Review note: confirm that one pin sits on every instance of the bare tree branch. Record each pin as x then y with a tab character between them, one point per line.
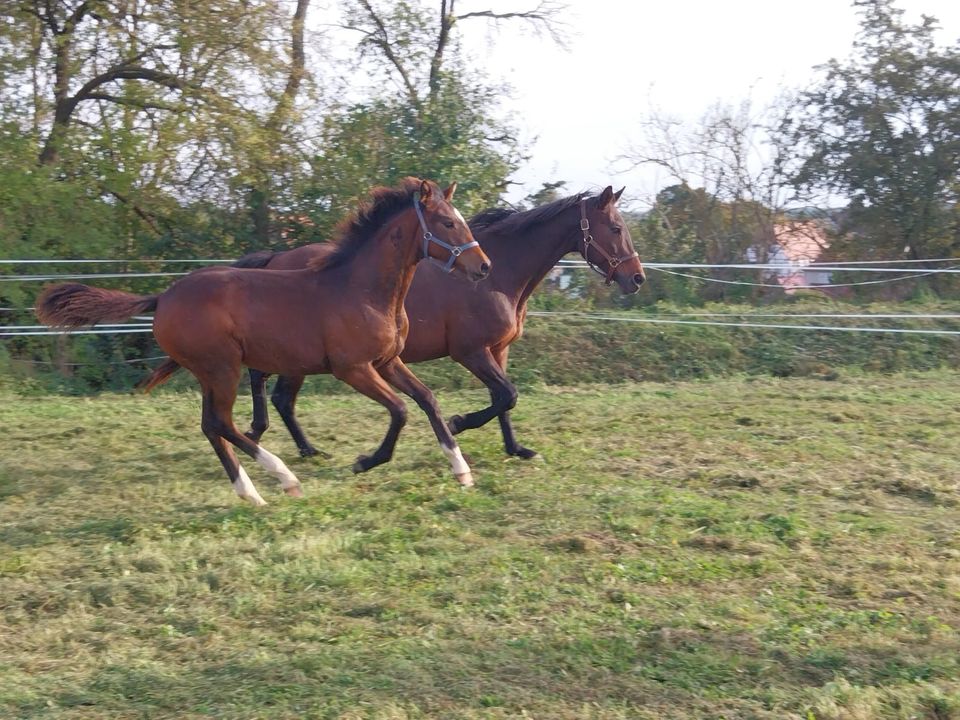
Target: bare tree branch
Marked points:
133	102
543	18
382	40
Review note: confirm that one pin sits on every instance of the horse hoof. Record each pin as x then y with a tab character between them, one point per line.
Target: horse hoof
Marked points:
294	491
255	436
525	453
311	451
362	464
465	479
455	424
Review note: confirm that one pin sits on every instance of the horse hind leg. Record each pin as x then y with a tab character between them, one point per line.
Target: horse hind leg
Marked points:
284	398
503	398
218	421
242	484
266	459
258	397
510	443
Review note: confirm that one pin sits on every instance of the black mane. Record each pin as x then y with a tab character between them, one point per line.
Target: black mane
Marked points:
517	221
354	232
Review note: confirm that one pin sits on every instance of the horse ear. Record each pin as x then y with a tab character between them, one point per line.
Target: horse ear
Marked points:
605	197
618	193
425	191
448	193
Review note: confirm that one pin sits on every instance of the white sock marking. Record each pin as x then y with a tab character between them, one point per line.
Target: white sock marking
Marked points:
460	468
276	467
455	457
244	487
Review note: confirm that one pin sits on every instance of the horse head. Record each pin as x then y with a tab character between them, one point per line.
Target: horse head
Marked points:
447	240
606	244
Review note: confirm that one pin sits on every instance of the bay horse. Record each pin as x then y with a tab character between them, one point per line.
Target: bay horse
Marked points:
475	326
341	314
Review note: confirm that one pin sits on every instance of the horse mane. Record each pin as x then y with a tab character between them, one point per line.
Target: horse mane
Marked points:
517	221
353	232
258	259
491	216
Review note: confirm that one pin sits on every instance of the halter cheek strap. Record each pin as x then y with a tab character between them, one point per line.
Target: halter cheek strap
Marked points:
612	262
428	237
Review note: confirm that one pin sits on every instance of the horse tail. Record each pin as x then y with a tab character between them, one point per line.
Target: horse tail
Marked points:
259	259
159	376
74	305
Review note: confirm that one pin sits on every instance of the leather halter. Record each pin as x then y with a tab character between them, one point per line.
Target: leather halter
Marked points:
588	242
428	237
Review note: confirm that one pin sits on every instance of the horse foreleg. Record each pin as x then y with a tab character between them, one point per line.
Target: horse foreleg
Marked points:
365	380
284	399
400	376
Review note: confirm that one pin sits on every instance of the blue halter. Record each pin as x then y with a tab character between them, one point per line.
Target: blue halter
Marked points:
428	237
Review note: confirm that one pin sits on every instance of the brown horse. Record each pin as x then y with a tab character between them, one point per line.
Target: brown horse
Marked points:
476	326
342	315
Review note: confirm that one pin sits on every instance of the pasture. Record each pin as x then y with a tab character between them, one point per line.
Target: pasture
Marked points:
738	548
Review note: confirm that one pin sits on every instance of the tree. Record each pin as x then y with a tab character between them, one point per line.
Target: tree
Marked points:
429	113
412	47
148	104
729	187
882	129
383	140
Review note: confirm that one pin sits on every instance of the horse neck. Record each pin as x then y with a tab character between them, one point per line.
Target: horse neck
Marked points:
384	266
522	260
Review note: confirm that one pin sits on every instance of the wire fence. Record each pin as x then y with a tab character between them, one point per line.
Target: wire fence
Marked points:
667	268
904	268
739	320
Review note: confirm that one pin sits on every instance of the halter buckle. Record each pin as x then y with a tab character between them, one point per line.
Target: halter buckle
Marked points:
584	224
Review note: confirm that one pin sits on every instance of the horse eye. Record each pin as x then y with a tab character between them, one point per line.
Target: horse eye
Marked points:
448	223
617	229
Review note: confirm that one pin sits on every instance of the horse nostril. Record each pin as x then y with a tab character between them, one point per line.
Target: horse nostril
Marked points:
639	279
484	269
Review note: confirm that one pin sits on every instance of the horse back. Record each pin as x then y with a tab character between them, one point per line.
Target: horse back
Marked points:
300	257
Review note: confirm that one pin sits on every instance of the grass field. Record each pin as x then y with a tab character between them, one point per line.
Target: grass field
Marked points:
728	549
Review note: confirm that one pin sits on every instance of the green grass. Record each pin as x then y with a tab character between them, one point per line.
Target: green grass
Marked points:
764	548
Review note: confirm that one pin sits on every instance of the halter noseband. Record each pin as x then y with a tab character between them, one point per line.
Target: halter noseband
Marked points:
428	237
612	262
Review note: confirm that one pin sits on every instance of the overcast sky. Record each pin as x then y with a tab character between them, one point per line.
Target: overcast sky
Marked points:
580	108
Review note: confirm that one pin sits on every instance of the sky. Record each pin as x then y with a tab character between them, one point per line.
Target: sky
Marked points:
580	108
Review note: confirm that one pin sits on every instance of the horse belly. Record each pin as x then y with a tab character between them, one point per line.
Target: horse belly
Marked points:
424	342
287	354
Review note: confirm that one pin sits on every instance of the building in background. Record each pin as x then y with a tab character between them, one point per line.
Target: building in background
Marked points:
794	246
